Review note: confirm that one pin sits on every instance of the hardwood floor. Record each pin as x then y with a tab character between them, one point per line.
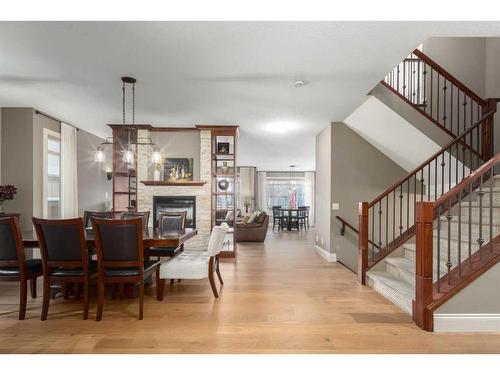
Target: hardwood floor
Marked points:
278	297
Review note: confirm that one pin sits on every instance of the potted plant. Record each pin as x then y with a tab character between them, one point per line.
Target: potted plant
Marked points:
7	192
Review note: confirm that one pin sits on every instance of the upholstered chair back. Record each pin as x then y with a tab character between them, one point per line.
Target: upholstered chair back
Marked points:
118	240
88	215
217	239
170	221
8	245
60	240
144	215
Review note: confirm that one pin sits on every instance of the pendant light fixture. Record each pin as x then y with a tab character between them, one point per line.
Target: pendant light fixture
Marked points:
129	152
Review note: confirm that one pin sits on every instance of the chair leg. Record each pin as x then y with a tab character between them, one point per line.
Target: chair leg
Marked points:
100	299
217	269
160	285
141	300
46	297
86	299
33	287
22	298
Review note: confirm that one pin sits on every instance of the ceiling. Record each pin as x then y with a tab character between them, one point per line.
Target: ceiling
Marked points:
211	73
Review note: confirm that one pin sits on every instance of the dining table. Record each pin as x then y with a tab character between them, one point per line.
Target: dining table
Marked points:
150	238
289	212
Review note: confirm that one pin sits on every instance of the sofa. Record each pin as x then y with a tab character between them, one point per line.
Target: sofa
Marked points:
253	232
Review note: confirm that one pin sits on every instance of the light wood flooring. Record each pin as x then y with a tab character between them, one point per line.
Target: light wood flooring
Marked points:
278	297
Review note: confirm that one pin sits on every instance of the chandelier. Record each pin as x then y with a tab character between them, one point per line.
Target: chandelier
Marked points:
128	154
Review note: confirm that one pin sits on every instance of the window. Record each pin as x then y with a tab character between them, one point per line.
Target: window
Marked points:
51	174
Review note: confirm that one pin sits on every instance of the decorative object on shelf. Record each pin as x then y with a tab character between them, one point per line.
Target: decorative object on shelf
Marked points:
223	148
224	168
7	193
178	169
223	184
129	152
109	176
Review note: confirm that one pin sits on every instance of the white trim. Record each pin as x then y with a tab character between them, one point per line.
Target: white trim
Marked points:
329	257
466	322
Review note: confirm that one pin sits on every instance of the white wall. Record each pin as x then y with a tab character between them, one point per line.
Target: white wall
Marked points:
323	188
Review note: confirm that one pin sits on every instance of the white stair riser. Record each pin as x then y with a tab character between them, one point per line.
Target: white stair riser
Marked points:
392	295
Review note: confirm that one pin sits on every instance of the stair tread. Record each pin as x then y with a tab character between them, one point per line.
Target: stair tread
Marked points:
403	263
402	287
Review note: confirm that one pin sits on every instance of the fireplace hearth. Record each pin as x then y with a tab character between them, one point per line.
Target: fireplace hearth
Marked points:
175	203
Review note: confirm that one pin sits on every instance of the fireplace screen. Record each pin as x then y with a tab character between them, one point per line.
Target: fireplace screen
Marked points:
175	203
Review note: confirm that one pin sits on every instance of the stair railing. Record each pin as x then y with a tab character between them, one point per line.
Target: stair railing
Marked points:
436	94
389	220
465	262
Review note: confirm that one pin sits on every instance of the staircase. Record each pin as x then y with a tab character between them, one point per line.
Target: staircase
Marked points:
394	276
434	230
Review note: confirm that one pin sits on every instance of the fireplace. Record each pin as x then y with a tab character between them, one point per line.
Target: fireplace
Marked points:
175	203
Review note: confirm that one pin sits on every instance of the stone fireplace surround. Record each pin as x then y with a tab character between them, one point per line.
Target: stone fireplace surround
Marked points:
202	193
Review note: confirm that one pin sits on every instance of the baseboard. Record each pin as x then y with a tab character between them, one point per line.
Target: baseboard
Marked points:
467	323
329	257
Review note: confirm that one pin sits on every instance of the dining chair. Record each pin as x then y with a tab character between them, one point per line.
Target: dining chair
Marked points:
88	215
306	219
144	215
278	217
168	221
120	257
197	265
65	257
13	263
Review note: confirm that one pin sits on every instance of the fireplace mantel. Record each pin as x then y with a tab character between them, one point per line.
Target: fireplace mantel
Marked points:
170	183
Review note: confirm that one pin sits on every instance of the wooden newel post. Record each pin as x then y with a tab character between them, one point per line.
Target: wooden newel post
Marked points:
487	130
363	242
424	216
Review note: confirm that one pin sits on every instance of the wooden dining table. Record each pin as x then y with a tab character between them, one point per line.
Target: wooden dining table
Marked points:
150	238
288	213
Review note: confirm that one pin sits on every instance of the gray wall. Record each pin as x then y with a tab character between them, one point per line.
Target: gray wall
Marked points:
323	188
94	189
464	58
17	160
480	297
180	145
360	172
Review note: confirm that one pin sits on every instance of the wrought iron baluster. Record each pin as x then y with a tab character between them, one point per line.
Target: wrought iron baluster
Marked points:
491	208
380	224
444	102
386	220
438	94
424	86
480	240
407	204
460	234
394	214
443	164
438	258
448	259
373	231
400	209
470	227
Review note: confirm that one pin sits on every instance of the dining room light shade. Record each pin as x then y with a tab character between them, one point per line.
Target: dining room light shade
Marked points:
128	156
99	155
156	156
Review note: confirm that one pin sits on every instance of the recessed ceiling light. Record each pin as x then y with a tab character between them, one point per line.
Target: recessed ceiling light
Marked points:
300	83
280	127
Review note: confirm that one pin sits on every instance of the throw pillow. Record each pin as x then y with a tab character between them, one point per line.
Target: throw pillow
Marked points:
246	218
252	217
260	218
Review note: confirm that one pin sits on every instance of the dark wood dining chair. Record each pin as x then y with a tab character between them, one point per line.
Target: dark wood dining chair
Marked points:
168	221
65	257
278	217
306	218
13	263
144	215
120	257
88	215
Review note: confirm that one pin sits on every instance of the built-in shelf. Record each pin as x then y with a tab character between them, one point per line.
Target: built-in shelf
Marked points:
170	183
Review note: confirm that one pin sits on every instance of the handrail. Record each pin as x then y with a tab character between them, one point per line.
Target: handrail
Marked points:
422	56
430	159
473	177
346	224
